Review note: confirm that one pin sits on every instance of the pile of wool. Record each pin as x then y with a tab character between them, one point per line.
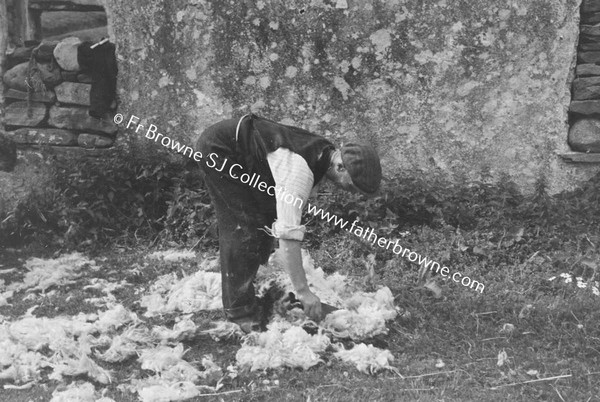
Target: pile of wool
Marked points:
172	255
200	291
282	345
61	271
363	317
185	328
331	289
366	358
223	330
172	374
80	392
127	344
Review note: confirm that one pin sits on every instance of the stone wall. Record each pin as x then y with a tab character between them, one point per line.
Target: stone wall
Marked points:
468	89
584	134
55	111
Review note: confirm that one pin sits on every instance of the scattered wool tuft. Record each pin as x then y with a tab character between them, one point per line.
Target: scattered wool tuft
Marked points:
82	366
282	345
364	317
179	391
173	255
79	392
5	296
185	328
161	358
200	291
82	392
331	289
53	272
127	344
114	318
366	358
223	330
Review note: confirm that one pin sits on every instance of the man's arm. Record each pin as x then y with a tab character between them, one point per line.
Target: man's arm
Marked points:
291	172
292	262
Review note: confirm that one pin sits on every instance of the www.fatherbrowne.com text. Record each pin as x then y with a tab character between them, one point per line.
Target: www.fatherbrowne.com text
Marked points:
236	172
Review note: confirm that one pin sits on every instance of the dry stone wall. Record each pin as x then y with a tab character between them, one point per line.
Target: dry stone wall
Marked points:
47	100
584	134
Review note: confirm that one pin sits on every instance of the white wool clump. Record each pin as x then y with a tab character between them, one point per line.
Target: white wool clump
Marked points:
173	255
364	317
175	377
282	345
5	296
127	344
53	272
179	391
223	330
366	358
80	392
56	333
201	291
83	392
181	329
114	318
161	358
82	366
331	289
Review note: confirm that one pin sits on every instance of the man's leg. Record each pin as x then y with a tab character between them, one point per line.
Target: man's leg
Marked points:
243	246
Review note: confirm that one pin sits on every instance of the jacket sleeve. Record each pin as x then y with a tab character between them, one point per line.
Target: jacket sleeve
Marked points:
293	182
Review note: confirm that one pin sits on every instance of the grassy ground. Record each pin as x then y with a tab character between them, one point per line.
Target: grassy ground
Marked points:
446	348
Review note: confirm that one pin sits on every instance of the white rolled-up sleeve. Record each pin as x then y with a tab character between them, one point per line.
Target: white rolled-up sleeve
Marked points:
293	181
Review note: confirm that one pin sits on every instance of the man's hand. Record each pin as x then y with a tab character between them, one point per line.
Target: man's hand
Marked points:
311	303
290	257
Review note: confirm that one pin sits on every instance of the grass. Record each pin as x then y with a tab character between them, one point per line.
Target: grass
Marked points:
446	348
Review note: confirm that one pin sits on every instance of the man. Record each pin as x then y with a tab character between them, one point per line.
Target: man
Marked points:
259	175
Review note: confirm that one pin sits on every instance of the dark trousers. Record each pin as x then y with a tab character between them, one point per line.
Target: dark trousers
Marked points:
242	211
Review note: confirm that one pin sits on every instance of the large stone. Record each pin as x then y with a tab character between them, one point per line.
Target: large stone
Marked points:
585	46
74	118
583	70
73	93
65	53
19	55
584	135
45	51
589	57
590	6
47	96
590	30
586	107
590	18
94	141
586	88
16	77
19	114
8	154
50	74
49	136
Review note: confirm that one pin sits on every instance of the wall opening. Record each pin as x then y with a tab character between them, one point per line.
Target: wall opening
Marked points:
59	76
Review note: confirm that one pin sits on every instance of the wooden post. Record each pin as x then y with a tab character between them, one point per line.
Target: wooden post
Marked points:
3	46
28	24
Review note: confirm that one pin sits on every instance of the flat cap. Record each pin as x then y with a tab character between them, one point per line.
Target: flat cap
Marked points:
362	162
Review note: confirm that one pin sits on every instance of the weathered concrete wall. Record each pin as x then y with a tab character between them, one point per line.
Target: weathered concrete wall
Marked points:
455	86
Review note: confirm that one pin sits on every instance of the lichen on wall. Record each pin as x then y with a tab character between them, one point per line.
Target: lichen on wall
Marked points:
439	86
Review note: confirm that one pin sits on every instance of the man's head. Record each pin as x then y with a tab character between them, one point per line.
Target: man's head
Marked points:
355	167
